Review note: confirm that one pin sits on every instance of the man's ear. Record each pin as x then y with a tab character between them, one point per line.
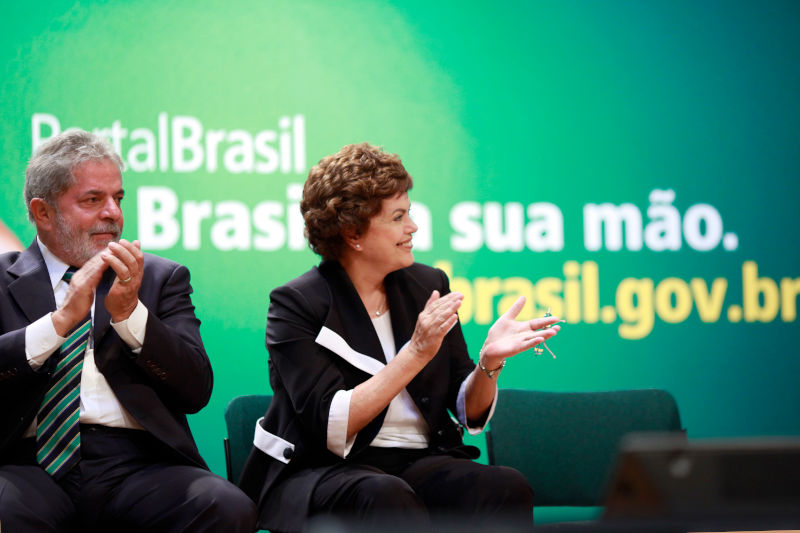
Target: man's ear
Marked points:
44	215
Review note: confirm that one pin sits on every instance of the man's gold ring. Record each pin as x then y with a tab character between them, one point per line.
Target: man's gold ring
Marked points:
127	280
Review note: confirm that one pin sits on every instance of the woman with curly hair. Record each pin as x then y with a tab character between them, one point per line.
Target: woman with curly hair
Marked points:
367	361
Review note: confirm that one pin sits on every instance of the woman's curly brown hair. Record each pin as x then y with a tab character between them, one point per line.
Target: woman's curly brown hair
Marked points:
345	190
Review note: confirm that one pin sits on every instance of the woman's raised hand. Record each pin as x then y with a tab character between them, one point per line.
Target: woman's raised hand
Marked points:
508	337
434	322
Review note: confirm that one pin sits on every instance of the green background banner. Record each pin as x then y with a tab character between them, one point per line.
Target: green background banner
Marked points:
631	165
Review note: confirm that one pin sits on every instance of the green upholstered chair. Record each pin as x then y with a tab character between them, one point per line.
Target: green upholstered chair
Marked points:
566	443
240	419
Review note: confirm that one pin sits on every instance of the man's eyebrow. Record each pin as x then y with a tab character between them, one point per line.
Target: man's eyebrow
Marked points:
94	192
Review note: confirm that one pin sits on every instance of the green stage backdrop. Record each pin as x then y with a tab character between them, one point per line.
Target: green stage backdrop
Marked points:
632	166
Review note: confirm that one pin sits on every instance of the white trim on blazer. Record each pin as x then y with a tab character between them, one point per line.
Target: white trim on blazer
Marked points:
335	343
272	445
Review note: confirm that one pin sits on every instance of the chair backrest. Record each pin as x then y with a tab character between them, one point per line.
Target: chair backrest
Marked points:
240	419
566	443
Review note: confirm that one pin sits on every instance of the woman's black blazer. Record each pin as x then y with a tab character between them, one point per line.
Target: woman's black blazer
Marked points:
321	340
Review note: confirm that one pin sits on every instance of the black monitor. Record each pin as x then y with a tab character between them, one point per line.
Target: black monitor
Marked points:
747	481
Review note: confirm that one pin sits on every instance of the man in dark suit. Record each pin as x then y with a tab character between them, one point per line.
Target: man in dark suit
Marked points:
100	361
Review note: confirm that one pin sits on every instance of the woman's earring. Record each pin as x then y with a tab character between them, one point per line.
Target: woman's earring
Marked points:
358	246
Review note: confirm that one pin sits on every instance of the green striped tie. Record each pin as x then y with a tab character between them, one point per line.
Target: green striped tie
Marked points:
58	433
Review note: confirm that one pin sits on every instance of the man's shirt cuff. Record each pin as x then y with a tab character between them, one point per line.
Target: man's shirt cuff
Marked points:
41	340
132	329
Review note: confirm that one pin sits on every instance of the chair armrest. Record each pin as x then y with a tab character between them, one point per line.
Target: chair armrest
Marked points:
228	468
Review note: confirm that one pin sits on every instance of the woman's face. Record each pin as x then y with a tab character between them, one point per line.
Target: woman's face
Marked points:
387	242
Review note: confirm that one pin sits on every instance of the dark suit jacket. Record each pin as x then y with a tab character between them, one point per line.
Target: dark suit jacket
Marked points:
168	379
321	340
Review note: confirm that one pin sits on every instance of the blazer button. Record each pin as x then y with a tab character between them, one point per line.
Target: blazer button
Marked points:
425	403
440	433
287	453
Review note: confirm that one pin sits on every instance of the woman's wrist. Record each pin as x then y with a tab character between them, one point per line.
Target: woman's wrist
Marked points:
487	366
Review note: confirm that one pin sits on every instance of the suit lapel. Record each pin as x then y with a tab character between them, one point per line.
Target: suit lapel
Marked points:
407	299
404	305
348	330
32	290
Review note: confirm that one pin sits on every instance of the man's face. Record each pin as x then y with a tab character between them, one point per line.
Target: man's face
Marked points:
88	214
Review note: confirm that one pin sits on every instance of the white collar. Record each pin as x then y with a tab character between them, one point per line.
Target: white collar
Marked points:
55	266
